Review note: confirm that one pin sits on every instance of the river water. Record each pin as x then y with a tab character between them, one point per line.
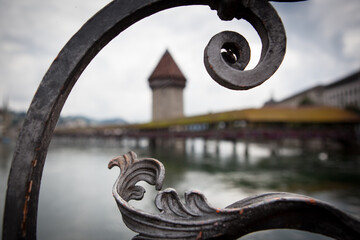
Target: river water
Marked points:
76	200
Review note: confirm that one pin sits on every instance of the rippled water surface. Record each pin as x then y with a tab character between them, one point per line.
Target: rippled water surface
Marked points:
76	200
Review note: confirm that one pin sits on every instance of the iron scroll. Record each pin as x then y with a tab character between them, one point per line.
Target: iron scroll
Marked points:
228	53
20	215
196	219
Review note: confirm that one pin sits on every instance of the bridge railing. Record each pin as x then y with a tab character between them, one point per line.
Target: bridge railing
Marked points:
225	57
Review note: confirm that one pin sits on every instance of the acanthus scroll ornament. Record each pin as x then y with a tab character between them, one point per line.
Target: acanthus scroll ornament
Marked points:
196	219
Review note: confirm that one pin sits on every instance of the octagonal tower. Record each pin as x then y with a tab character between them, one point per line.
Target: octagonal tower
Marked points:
167	83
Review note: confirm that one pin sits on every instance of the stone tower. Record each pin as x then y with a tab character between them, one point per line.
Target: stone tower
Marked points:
167	84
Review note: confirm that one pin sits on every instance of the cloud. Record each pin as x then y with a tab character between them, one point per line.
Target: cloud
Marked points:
351	43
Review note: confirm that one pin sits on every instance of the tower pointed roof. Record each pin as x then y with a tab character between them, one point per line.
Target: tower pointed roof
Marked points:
167	73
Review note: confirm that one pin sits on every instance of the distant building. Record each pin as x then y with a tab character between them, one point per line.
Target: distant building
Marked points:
5	120
344	93
167	83
2	122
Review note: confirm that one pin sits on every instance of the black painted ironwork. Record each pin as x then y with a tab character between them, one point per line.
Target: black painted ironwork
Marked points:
228	51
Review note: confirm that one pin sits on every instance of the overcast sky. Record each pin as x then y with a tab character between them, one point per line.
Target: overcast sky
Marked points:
323	46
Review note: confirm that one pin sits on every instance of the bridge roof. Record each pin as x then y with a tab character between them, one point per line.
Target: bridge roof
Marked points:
265	115
302	115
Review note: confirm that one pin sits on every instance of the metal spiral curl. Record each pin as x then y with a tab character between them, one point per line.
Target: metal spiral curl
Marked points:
228	53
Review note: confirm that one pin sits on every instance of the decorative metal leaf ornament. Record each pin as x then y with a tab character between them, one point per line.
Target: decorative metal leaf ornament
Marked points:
196	219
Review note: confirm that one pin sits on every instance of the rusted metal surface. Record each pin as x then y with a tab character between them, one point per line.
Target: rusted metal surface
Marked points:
196	219
20	215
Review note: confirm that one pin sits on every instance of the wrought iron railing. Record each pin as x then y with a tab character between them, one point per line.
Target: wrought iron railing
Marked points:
225	57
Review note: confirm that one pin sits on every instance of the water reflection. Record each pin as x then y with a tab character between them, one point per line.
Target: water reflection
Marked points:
76	201
5	161
6	151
